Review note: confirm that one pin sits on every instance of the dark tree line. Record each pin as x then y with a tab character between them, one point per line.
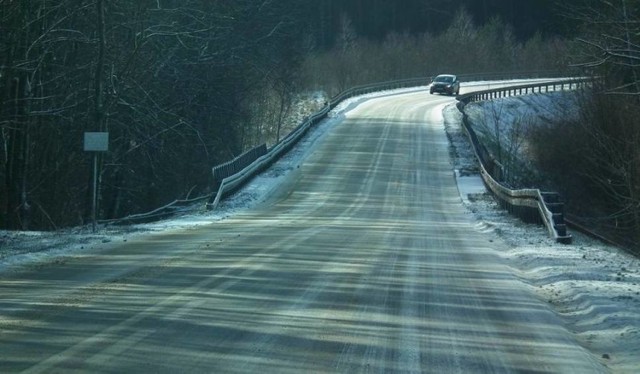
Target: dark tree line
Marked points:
464	46
375	19
595	158
167	79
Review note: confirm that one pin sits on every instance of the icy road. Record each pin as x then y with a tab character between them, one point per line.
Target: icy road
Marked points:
364	260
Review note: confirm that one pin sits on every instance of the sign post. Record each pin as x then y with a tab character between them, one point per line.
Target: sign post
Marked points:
95	142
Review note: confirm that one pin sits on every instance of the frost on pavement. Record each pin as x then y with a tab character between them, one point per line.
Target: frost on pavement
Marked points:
594	288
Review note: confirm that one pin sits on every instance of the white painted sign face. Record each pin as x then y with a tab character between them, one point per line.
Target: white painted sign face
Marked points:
96	141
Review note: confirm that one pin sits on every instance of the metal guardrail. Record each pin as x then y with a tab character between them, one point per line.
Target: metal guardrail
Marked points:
528	204
233	167
237	164
531	205
426	80
525	89
176	206
235	181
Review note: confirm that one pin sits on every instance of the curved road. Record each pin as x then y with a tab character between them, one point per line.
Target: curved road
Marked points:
364	260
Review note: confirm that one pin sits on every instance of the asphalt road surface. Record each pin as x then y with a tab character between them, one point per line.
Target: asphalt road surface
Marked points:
364	261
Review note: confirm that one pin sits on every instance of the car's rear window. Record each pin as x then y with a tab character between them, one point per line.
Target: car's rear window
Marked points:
444	79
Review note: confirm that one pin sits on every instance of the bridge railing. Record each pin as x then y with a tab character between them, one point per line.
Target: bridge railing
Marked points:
528	204
525	89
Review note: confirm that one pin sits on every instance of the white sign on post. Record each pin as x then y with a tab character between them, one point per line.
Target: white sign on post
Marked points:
96	141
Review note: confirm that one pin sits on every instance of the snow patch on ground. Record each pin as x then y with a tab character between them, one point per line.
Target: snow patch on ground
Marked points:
593	287
504	125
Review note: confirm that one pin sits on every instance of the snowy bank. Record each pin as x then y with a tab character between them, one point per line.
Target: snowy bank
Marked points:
593	287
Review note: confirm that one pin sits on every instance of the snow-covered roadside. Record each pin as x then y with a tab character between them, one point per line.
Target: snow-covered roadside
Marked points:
593	287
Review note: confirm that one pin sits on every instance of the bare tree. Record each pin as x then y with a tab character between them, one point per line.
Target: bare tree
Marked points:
168	79
611	49
505	137
345	63
613	156
610	45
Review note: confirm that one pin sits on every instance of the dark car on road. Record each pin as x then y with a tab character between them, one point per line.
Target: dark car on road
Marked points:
445	83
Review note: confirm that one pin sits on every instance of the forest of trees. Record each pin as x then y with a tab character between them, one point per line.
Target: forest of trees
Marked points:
463	47
169	80
595	158
183	85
